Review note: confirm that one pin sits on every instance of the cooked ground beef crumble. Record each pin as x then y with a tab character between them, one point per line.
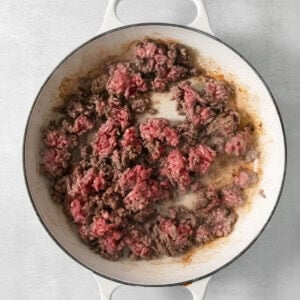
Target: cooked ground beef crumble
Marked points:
112	173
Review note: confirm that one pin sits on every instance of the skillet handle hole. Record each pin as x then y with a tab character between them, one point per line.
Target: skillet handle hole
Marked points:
169	11
138	293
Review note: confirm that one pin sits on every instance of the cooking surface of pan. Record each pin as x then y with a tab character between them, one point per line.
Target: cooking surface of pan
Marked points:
205	261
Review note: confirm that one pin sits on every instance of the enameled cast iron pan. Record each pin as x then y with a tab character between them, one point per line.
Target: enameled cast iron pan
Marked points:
252	221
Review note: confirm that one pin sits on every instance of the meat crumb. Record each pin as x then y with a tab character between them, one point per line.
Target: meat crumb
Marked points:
261	192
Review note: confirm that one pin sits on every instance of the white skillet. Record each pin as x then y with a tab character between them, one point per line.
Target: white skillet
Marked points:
204	262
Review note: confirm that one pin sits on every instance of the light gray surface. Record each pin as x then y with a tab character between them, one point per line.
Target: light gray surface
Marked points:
35	36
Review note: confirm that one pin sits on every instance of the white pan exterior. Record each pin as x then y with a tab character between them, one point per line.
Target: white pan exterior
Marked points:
168	270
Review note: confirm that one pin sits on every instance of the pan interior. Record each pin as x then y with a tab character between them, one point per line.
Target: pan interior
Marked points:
202	261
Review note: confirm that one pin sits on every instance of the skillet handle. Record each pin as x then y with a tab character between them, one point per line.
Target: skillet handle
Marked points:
112	21
106	287
201	21
198	288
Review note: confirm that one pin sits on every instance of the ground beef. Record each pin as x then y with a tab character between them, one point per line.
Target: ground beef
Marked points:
140	245
176	170
77	211
55	161
172	237
82	124
224	125
155	149
59	139
124	81
100	227
164	63
157	134
217	143
245	178
144	215
188	133
139	105
120	115
203	234
146	193
118	179
119	160
159	129
83	182
232	196
145	50
217	92
99	84
131	144
159	84
239	144
100	105
110	199
191	103
59	189
131	177
106	139
200	159
111	245
221	129
182	214
140	190
221	221
207	199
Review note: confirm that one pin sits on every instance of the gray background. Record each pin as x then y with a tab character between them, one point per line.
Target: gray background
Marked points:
35	35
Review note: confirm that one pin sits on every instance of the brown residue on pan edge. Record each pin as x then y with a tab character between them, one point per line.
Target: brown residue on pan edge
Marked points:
68	85
188	257
203	253
187	283
156	34
208	64
216	74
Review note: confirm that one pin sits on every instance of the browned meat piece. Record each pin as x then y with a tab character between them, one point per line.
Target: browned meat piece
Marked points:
106	139
55	161
140	245
139	105
221	221
200	159
239	144
188	133
191	103
217	92
224	125
207	199
99	84
203	234
172	238
176	170
164	63
232	196
124	81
